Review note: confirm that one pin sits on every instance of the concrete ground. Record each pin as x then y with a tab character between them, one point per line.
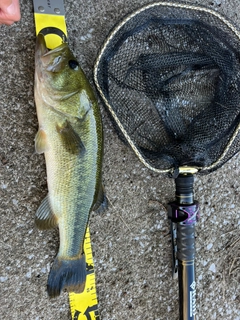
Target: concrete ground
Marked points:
130	241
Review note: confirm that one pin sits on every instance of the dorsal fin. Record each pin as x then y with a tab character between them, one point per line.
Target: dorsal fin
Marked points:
101	203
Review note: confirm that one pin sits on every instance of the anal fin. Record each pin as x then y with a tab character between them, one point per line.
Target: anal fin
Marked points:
45	218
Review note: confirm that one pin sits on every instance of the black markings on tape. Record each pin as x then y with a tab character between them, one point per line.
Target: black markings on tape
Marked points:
87	313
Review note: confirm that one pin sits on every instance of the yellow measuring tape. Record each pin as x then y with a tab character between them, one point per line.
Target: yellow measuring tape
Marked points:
85	305
49	18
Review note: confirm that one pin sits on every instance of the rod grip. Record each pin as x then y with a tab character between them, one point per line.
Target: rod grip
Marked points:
185	241
186	270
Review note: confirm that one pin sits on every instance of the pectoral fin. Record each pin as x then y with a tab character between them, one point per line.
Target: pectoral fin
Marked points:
45	218
70	139
101	203
41	141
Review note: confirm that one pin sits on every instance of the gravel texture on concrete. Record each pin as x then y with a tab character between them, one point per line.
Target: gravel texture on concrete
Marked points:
131	242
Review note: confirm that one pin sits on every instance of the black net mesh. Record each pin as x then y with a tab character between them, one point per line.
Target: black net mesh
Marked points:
170	76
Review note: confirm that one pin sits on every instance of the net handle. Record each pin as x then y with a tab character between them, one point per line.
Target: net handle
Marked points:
184	213
186	274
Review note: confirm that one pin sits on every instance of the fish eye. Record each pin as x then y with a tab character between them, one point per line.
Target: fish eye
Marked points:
73	64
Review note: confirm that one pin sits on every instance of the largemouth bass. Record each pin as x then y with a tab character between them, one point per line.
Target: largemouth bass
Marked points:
70	136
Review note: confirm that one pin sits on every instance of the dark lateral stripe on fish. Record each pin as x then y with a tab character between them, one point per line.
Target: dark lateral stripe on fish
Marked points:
67	274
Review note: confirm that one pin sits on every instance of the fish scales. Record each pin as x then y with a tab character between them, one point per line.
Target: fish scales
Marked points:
71	183
70	135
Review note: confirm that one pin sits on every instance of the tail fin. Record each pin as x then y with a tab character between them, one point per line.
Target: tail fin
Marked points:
69	274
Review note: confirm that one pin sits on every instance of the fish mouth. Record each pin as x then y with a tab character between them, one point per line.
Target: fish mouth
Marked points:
50	60
41	47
